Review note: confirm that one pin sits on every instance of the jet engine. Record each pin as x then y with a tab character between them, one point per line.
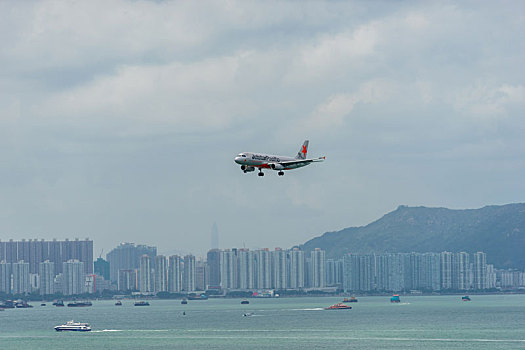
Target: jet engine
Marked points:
276	166
247	169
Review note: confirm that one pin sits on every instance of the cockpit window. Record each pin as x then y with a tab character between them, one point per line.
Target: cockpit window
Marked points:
242	155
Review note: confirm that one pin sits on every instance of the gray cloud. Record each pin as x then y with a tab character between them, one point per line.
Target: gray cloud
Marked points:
119	120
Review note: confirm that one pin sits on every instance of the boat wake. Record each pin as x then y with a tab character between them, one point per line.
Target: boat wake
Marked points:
309	309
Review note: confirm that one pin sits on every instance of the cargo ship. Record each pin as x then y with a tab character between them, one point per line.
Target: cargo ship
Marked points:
79	304
141	303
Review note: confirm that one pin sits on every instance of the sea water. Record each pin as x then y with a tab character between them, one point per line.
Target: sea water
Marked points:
429	322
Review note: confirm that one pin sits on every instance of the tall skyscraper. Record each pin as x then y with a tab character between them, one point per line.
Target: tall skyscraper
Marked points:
318	268
21	283
127	280
446	270
47	277
145	274
188	276
228	268
245	260
73	277
296	269
280	271
213	260
263	271
175	274
5	277
201	275
479	267
161	274
461	271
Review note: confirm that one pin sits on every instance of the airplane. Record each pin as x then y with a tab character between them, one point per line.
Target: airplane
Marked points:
249	161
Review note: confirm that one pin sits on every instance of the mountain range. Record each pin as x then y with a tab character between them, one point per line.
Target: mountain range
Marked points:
498	231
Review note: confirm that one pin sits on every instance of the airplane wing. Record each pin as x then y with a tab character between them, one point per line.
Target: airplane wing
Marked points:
301	161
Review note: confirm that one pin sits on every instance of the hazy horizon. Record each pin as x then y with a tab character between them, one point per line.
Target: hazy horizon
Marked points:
119	120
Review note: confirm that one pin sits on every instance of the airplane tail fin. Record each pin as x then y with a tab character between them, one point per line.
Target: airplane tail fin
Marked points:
302	151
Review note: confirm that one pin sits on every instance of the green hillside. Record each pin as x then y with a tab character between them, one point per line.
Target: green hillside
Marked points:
497	230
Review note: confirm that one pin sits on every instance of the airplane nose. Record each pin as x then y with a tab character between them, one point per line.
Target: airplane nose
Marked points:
237	159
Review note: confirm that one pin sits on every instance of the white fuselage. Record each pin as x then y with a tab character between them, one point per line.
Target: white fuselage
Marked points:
261	160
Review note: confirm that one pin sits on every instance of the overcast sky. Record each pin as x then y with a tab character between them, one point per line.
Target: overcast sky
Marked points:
119	120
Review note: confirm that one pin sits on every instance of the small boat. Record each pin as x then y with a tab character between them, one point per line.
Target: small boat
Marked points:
118	303
22	304
465	298
79	304
141	303
43	304
58	303
245	301
198	297
395	299
338	306
248	314
350	300
184	301
73	326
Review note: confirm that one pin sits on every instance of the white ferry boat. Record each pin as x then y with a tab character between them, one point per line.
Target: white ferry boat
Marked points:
73	326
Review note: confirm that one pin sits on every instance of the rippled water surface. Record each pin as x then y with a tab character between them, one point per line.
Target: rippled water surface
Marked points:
430	322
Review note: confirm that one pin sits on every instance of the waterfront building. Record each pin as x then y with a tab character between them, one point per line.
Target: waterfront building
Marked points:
5	277
245	260
280	271
228	268
479	266
161	274
126	256
263	273
201	274
188	276
318	268
213	261
446	270
430	274
461	271
21	281
297	269
47	277
174	274
145	274
73	277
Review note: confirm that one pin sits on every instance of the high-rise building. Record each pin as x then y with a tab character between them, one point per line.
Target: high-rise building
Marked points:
318	268
297	269
263	273
461	271
245	261
430	274
21	282
161	274
126	256
201	279
73	277
446	270
280	271
188	276
479	266
228	268
5	277
175	274
145	274
47	277
213	260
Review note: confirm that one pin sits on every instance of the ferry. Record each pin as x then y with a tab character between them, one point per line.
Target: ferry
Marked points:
22	304
350	300
58	303
395	299
338	306
141	303
73	326
245	301
465	298
79	304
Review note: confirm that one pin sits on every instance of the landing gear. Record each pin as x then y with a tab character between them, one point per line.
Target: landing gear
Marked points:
260	173
280	173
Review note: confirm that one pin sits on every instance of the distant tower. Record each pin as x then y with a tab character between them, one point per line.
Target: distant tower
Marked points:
214	236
